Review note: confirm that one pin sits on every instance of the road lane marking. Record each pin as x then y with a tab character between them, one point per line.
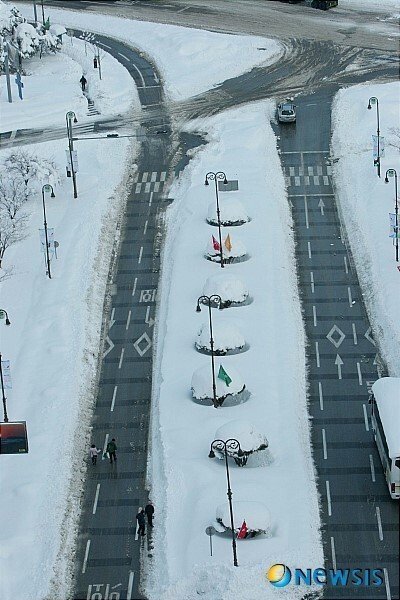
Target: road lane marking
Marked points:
365	417
86	556
317	353
378	518
182	9
13	134
306	212
312	282
309	249
371	464
123	56
128	320
140	255
130	585
388	594
96	499
140	73
354	334
333	553
314	310
324	444
328	498
105	446
321	398
360	380
121	358
145	227
137	532
113	398
134	286
351	301
346	267
151	198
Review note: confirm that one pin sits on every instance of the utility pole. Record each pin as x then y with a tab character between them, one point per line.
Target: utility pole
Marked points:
3	393
35	13
69	116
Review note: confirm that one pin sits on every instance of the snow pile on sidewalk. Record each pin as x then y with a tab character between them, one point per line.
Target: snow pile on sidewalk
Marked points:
190	61
189	486
366	202
53	339
51	88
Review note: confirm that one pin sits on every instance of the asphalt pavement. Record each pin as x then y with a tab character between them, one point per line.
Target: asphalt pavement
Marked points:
360	522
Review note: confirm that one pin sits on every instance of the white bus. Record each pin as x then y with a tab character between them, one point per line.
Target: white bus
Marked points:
385	420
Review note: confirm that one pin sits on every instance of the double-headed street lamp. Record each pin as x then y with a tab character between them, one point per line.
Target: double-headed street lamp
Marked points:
393	173
47	188
377	160
71	117
223	447
210	301
219	176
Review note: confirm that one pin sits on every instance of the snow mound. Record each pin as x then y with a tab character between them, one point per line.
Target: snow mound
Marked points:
228	287
246	433
255	514
57	29
232	212
202	383
226	337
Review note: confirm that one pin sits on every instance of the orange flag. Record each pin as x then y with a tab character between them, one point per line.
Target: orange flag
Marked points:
227	242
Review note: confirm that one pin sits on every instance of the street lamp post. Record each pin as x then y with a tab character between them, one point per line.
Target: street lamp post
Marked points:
371	101
209	301
43	13
4	313
47	188
393	173
222	446
219	176
3	393
69	117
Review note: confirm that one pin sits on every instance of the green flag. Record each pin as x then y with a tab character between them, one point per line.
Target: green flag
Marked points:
222	374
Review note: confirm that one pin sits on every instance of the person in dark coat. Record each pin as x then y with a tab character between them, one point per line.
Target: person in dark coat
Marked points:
149	510
141	521
83	82
111	449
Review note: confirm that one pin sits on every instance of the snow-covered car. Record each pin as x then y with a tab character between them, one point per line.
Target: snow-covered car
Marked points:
286	112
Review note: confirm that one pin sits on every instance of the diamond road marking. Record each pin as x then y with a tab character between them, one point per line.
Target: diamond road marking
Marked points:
335	329
143	338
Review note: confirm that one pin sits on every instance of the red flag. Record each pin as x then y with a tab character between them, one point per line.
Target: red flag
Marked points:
216	245
243	531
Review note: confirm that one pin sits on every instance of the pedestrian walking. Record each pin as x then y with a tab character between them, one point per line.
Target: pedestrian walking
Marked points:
93	452
141	521
149	510
83	82
111	450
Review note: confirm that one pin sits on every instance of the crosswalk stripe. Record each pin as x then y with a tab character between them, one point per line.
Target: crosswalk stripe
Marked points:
163	175
147	187
138	188
326	179
154	176
144	176
156	186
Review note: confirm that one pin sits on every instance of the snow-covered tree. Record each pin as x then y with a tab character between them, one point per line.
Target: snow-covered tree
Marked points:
31	168
13	195
11	231
10	18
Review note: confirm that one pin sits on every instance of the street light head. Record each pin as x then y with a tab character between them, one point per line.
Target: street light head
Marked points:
8	322
206	182
211	454
75	120
386	179
225	181
198	309
369	106
52	194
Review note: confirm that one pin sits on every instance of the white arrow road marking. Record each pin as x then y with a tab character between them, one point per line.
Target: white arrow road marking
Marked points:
150	322
339	364
112	320
321	205
110	347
